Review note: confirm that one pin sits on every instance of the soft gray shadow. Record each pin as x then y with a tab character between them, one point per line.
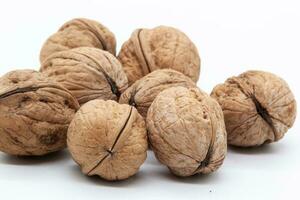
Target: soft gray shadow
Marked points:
264	149
205	179
34	160
97	180
151	159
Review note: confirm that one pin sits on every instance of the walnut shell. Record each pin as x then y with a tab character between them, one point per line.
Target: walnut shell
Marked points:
108	139
143	92
88	73
161	47
79	32
35	113
186	131
258	108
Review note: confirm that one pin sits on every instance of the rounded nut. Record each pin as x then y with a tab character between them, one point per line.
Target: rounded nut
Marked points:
161	47
35	113
186	131
79	32
258	108
88	73
108	139
143	92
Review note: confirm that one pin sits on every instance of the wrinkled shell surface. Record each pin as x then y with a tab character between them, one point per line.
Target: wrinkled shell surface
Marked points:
35	113
79	33
161	47
258	108
108	139
89	73
186	131
143	92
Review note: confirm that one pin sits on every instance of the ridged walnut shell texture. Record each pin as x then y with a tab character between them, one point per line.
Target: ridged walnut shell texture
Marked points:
161	47
79	32
35	113
108	139
186	131
88	73
258	108
143	92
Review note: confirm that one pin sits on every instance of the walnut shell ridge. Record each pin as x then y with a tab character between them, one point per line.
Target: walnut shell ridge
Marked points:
79	32
108	139
88	73
258	108
186	131
143	92
35	113
161	47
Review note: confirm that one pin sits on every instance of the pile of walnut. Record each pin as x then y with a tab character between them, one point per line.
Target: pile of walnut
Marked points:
107	109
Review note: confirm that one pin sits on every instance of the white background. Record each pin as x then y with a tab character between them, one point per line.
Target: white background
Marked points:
232	37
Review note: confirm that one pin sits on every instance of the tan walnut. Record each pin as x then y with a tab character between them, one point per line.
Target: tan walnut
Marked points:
143	92
258	108
108	139
79	32
186	131
89	73
161	47
35	113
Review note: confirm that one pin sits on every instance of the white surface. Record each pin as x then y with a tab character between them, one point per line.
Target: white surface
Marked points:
232	36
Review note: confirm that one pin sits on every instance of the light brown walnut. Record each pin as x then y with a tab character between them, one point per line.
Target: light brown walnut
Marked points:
186	131
258	108
79	32
88	73
35	113
143	92
161	47
108	139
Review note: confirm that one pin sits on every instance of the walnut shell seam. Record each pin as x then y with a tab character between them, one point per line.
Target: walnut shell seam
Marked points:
115	90
261	111
31	89
141	54
110	151
92	30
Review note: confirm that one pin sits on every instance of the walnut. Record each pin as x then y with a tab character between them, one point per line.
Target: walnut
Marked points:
89	73
79	32
186	131
161	47
143	92
35	113
258	108
108	139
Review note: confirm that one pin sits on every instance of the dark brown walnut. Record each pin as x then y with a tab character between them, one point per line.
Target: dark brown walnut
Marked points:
186	131
35	113
258	108
143	92
79	32
88	73
108	139
161	47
